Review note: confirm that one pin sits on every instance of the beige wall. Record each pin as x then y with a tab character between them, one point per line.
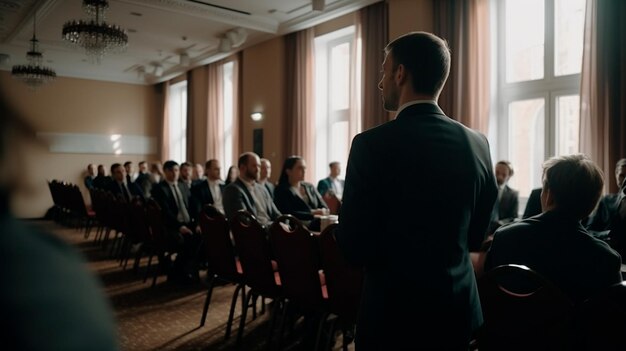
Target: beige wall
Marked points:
410	15
263	90
77	106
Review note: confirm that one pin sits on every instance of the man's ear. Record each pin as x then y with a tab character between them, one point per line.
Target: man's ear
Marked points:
400	76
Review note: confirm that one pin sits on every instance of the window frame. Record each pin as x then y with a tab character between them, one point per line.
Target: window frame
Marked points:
181	90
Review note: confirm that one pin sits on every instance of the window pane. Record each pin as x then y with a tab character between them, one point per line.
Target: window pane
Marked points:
526	143
340	77
569	22
567	124
524	40
339	142
178	122
228	103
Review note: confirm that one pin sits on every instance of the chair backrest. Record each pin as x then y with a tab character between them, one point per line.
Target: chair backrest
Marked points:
158	235
344	282
254	253
601	320
333	203
219	247
138	220
298	261
523	311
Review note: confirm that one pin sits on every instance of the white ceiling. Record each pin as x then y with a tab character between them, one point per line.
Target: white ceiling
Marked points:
158	32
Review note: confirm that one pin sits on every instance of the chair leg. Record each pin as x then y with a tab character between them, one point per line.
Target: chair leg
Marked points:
233	303
242	322
254	300
320	328
331	334
281	327
207	301
276	312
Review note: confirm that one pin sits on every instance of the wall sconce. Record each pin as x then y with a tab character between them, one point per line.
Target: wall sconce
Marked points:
257	116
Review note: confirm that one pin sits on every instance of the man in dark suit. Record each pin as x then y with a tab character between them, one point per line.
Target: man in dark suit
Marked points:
182	229
101	181
583	265
414	239
91	174
209	191
246	194
128	167
507	204
186	171
606	211
119	185
332	183
266	173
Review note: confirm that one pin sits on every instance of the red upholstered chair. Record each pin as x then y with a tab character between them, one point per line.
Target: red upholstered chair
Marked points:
223	264
334	204
259	274
344	284
523	311
601	320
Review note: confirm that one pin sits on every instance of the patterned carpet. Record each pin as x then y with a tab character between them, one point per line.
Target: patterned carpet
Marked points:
167	317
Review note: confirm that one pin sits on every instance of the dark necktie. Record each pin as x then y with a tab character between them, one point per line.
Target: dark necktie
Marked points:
125	192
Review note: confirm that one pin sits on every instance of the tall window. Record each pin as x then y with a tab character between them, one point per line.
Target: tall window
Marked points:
539	54
178	121
336	94
228	103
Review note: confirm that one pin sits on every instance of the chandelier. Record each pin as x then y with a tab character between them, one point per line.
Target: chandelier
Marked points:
33	74
95	36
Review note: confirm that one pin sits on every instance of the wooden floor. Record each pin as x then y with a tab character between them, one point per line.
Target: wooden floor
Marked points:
167	317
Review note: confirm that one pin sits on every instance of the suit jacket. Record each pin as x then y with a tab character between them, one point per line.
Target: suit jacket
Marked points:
560	249
89	182
202	196
604	214
143	181
164	196
237	197
270	187
115	189
533	206
508	206
101	182
290	203
413	241
326	184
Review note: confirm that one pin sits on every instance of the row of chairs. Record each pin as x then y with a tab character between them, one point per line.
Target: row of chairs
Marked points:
285	263
538	316
69	207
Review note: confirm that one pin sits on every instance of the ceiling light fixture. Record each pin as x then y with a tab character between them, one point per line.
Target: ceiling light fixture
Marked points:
95	36
318	5
184	59
34	74
158	70
234	38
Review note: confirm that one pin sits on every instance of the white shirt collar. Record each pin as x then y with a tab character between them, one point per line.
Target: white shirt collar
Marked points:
415	102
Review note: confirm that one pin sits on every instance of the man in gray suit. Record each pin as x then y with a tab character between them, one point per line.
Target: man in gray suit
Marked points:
246	193
414	241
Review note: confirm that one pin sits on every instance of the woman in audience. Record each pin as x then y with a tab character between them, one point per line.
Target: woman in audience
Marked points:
295	197
232	175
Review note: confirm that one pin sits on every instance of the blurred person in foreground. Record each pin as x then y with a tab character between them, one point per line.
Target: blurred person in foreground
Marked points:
48	299
414	239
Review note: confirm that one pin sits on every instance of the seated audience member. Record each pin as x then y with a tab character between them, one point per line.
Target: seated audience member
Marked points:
198	174
266	173
246	194
607	208
143	179
48	298
232	175
533	206
185	175
156	172
91	174
332	183
119	184
507	204
128	167
296	197
555	244
209	191
617	234
182	231
101	181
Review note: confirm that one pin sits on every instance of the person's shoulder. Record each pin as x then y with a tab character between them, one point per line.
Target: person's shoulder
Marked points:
511	190
520	228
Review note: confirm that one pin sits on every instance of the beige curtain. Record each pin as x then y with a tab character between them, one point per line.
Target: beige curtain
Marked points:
373	34
300	103
603	86
164	146
197	114
465	25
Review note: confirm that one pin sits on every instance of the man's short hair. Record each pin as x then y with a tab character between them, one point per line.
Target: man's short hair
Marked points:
185	164
90	165
209	163
425	56
243	158
330	165
508	165
142	163
114	167
575	183
618	166
169	165
128	163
